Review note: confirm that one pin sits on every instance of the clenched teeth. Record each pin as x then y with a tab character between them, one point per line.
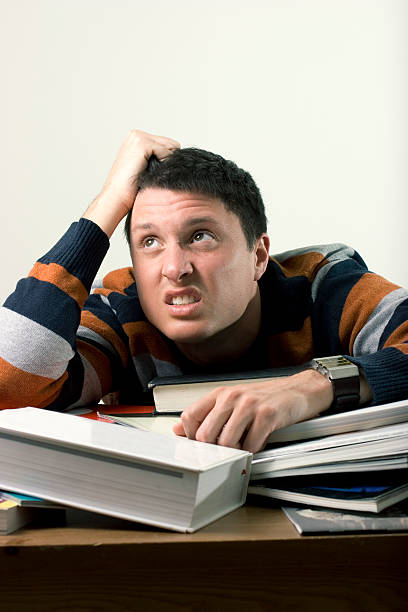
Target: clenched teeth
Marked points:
185	299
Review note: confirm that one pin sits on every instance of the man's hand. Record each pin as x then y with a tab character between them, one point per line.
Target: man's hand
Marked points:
243	416
119	192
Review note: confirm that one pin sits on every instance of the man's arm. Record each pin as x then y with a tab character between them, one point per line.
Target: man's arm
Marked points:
44	361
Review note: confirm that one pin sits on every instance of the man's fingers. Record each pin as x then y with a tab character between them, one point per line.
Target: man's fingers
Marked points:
257	436
213	425
195	414
162	151
168	143
178	429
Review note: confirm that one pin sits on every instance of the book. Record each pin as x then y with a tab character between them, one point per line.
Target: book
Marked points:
169	482
176	393
309	521
357	419
160	424
173	394
102	412
365	465
13	516
28	501
390	441
371	492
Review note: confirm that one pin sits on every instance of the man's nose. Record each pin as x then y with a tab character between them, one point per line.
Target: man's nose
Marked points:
176	263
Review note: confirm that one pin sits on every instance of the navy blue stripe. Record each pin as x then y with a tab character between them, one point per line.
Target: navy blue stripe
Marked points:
116	366
386	372
102	311
331	297
80	251
47	305
128	308
400	316
286	302
72	388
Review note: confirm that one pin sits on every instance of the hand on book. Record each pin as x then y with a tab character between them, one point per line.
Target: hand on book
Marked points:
244	415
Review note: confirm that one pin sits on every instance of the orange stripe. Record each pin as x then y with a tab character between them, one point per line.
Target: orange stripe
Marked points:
92	322
294	347
58	276
143	338
99	362
399	338
366	294
302	265
118	280
33	390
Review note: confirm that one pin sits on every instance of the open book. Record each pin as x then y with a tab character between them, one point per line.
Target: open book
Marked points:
358	419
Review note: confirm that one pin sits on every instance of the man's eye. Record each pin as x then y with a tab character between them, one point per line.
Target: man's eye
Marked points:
201	236
149	243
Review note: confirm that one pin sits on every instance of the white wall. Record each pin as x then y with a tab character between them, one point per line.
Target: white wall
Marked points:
308	95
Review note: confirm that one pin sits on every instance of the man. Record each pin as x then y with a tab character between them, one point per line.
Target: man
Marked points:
202	296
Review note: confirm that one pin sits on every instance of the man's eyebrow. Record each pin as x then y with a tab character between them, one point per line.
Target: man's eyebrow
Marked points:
201	221
192	221
144	226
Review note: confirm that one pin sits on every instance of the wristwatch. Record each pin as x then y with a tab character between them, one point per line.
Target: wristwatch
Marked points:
345	378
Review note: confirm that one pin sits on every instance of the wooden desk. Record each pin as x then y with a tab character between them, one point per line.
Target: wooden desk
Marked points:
251	560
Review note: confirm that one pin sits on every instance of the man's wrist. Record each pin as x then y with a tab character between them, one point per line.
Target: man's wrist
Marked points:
316	388
106	213
350	387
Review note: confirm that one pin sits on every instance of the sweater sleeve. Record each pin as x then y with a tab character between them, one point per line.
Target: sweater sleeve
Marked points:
43	362
365	317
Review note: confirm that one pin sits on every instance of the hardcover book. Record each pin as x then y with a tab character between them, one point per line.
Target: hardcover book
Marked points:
170	482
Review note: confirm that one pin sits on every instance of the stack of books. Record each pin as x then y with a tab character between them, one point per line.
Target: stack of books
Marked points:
365	468
355	461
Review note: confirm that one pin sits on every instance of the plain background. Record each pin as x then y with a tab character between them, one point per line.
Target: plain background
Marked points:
310	96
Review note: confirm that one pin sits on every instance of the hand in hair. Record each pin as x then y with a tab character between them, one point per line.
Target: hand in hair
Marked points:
119	191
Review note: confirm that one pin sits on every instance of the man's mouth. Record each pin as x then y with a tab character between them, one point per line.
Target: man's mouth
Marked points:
182	300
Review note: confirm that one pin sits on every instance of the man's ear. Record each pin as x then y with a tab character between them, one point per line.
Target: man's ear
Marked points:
261	255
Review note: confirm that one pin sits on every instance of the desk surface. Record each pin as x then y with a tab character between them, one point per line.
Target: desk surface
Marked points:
252	559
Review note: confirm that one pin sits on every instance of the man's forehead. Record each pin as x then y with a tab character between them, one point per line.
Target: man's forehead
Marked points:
158	196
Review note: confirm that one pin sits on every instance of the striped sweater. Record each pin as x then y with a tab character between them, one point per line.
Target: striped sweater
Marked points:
62	346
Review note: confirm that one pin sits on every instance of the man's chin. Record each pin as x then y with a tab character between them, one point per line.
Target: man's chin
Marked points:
187	335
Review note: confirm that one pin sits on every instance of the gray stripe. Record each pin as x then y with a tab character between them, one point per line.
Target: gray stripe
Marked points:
106	301
368	338
97	284
31	347
91	390
340	253
326	250
86	333
333	253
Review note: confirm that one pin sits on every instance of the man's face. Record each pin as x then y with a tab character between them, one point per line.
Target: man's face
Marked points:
194	272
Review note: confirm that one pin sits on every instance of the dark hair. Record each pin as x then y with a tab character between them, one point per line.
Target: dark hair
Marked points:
198	171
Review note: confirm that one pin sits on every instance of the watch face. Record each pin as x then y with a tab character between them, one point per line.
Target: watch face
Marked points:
339	366
335	361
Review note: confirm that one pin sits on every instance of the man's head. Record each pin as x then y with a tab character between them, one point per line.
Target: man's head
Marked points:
198	171
198	253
